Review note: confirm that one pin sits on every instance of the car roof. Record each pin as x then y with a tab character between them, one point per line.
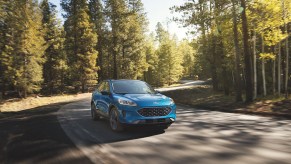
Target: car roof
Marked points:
122	80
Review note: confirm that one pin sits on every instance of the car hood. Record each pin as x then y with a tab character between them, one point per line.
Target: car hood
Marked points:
149	99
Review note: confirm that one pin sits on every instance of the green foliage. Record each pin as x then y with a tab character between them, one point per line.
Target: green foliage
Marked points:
213	22
54	68
267	56
98	19
169	68
188	55
128	26
23	46
80	44
267	20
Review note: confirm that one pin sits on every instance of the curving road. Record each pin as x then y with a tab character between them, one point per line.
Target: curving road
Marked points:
198	136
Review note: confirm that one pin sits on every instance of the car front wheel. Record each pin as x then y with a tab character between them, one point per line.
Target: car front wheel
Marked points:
114	121
94	115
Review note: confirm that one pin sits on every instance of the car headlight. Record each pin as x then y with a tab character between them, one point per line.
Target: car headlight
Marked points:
172	101
126	102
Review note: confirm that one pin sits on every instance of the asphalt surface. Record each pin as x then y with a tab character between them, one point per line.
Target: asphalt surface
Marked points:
35	136
198	136
184	84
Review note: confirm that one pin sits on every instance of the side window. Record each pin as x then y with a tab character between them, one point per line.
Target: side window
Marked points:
100	87
106	87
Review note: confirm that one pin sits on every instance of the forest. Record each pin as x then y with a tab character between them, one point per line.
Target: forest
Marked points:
241	46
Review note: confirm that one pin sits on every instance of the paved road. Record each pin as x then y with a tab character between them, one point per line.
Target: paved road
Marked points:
198	136
184	84
35	136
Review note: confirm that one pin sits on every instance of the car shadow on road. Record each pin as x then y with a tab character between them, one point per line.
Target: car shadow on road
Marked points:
83	127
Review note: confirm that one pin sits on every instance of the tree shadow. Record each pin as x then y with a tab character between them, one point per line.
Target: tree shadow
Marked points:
213	137
35	136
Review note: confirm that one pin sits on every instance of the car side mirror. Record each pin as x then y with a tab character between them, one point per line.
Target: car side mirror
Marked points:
105	93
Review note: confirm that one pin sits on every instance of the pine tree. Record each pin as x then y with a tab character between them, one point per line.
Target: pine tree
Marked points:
133	53
55	64
80	43
98	18
169	67
116	13
6	73
188	57
150	74
25	46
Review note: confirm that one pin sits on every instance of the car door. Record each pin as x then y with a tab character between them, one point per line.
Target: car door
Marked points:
105	98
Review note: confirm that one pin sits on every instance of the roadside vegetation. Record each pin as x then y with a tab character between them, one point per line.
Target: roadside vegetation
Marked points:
31	102
204	97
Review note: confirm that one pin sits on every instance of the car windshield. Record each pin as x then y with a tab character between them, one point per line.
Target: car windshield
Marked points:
132	87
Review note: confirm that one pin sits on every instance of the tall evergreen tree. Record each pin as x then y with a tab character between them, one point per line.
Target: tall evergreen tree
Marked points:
133	61
169	67
80	44
55	64
5	59
188	53
98	18
24	46
116	13
150	74
30	49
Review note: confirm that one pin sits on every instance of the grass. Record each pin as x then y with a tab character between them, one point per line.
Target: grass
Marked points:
203	96
15	105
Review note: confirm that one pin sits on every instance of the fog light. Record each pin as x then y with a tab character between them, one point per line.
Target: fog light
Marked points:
172	119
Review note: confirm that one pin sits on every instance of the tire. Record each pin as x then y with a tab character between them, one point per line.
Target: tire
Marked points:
114	121
94	114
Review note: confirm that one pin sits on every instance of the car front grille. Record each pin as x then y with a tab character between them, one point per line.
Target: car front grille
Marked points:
152	112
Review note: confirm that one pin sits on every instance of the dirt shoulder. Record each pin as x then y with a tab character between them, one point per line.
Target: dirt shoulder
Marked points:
16	105
202	96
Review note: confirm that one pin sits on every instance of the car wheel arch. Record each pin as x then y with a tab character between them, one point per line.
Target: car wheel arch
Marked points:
111	106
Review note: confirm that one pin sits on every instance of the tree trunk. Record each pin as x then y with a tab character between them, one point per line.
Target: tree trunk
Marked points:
274	76
3	90
100	60
214	77
83	87
287	68
114	59
279	70
263	69
255	67
287	51
264	78
24	93
247	56
237	56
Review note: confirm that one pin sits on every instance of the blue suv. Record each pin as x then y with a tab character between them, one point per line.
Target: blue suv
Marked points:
131	102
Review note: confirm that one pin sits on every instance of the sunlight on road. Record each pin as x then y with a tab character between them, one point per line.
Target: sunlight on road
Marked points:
185	84
198	136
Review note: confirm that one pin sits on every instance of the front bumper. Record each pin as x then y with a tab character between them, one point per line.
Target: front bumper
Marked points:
129	115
